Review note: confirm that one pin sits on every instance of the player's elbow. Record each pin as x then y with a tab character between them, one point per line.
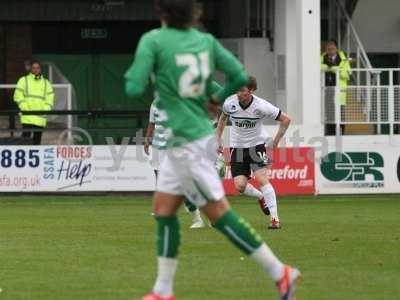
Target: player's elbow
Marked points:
133	90
287	121
284	119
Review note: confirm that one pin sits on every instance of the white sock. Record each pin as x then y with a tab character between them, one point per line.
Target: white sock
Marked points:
270	199
268	261
196	215
164	285
251	191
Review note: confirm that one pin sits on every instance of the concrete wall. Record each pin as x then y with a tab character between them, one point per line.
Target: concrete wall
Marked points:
290	76
297	49
259	61
378	24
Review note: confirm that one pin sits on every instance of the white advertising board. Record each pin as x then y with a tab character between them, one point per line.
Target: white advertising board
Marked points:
353	170
359	169
74	169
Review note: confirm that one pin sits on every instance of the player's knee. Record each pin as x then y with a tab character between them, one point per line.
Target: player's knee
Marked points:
263	181
165	204
261	177
240	186
216	209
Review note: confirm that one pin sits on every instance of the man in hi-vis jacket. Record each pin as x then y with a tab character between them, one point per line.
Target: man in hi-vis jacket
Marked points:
34	92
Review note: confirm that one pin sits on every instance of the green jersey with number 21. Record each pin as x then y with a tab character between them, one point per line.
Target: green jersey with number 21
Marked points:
184	63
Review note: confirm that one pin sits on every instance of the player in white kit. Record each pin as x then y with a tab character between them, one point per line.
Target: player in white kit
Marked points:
248	139
155	136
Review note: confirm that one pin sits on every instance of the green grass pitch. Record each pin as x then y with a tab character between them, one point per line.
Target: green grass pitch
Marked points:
103	248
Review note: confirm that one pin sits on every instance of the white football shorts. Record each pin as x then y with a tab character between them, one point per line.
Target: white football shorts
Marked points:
189	170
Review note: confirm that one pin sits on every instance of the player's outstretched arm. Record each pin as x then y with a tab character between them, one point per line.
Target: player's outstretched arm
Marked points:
148	137
138	74
220	129
284	122
221	125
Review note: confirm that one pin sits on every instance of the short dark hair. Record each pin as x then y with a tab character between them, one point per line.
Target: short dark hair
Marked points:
180	14
332	41
35	61
252	83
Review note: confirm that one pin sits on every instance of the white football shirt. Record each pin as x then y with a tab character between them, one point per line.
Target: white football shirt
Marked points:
247	128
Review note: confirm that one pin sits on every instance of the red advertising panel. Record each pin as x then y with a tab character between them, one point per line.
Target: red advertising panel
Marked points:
292	172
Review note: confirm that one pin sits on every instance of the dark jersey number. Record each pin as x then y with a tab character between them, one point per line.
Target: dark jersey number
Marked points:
19	159
6	161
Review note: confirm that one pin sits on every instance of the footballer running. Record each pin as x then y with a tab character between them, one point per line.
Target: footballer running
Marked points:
248	137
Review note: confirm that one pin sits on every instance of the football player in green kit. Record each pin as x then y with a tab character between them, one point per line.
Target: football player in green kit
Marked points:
184	61
155	137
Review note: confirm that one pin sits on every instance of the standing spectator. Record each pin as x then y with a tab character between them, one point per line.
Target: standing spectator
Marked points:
334	60
34	92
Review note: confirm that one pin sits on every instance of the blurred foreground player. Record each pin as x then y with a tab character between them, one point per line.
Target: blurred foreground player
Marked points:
155	136
247	113
184	61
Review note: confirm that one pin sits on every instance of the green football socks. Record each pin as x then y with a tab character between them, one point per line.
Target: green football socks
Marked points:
168	236
239	232
167	245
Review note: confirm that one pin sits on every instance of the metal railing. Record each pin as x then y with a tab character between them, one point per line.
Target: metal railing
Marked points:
374	99
92	116
350	40
63	92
